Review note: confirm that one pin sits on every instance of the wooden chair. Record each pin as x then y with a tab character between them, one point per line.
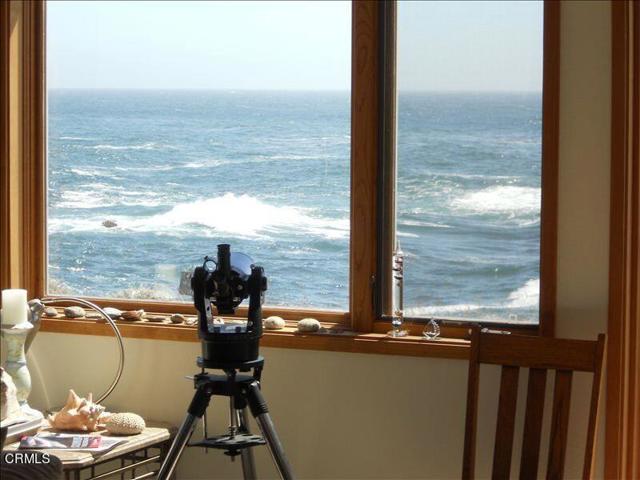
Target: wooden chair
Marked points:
539	354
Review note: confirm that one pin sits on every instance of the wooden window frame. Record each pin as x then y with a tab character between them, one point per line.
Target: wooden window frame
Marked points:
361	329
622	434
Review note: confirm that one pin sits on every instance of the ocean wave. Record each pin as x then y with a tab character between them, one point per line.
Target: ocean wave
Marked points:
501	200
527	296
230	214
144	146
75	138
101	195
418	223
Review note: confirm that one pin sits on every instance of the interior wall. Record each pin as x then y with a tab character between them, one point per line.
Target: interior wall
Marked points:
363	416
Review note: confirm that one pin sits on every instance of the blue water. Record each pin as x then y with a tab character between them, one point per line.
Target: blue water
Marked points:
180	171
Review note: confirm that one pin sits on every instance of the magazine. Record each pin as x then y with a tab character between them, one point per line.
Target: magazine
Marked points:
80	443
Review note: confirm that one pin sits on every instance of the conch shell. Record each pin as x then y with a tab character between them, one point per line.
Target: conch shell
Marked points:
79	414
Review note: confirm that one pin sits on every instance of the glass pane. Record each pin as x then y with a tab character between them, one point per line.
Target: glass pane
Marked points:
469	151
175	126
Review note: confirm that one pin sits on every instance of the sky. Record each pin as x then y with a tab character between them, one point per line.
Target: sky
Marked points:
442	46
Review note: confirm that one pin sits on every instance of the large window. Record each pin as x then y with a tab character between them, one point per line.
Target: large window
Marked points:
174	126
469	79
317	137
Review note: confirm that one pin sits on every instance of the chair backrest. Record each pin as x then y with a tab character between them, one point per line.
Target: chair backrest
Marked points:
539	354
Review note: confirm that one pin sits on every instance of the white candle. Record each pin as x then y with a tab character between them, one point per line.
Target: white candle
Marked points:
14	306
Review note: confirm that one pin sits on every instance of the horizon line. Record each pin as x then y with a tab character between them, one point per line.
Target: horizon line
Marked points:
266	90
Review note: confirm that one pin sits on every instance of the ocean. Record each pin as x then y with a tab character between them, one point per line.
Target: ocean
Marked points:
177	172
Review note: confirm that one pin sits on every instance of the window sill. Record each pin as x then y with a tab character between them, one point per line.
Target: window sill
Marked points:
336	339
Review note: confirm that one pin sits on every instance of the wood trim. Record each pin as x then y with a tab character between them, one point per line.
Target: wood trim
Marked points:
341	341
365	69
188	308
549	180
34	149
22	205
622	447
5	35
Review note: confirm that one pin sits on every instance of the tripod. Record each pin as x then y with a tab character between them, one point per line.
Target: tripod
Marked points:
243	391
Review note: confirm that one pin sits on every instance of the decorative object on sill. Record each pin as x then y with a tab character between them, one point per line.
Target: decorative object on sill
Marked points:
191	321
176	318
109	320
113	312
155	318
133	315
125	424
309	325
93	316
74	312
79	414
14	306
109	224
274	323
431	330
50	312
397	318
20	322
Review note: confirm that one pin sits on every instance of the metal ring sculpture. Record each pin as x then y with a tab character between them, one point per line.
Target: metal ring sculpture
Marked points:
66	300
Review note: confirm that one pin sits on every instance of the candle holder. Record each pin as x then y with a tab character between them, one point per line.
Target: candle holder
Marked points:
18	339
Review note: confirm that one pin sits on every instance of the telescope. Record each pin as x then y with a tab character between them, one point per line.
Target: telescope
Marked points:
225	282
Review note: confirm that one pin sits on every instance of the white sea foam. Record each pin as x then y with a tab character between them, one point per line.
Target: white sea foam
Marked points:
240	215
502	200
101	195
74	138
526	296
418	223
144	146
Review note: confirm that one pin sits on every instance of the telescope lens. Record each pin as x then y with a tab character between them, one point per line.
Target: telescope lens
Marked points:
210	266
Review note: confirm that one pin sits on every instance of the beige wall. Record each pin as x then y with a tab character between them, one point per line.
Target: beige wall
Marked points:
373	416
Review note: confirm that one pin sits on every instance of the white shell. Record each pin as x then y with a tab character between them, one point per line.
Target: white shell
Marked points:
113	312
308	325
74	312
274	323
125	424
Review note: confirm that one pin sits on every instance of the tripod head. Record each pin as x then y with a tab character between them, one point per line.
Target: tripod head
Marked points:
224	283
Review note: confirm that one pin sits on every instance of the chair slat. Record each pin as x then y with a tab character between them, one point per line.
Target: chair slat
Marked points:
593	410
469	458
559	424
538	352
534	414
507	403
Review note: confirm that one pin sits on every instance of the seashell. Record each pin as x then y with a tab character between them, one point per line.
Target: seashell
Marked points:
93	316
308	325
50	312
113	312
74	312
274	323
177	318
125	424
155	318
133	315
79	414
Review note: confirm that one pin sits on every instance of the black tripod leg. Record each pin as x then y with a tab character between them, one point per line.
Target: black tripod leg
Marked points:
197	408
246	454
259	410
